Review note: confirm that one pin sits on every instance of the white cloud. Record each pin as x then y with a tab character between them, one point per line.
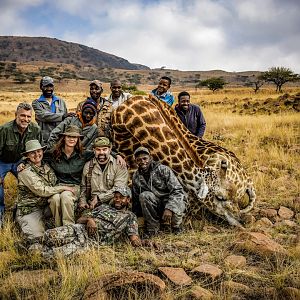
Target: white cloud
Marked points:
232	35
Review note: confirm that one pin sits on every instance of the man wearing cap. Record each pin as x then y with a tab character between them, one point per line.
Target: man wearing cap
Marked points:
13	137
100	176
104	225
96	90
158	192
49	109
36	186
84	119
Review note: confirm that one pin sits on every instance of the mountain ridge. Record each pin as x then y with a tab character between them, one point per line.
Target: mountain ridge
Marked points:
29	49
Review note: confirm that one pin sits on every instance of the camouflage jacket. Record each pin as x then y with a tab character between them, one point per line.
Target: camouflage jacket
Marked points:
103	182
163	184
35	186
113	223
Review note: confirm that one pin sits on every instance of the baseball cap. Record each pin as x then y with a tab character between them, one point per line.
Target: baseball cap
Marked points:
141	150
97	83
102	142
46	80
123	190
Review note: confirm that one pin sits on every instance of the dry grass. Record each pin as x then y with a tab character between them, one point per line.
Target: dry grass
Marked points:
268	145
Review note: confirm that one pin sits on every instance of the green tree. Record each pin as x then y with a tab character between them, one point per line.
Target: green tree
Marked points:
213	83
256	82
279	76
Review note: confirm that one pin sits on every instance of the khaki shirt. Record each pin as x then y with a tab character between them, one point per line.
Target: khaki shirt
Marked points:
35	186
103	182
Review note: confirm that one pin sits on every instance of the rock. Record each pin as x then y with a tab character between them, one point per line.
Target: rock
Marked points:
233	286
248	219
235	261
263	222
287	223
34	282
176	275
125	285
207	270
198	292
258	243
290	293
268	213
285	213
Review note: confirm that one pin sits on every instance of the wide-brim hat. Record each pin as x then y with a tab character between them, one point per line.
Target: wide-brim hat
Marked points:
32	145
72	130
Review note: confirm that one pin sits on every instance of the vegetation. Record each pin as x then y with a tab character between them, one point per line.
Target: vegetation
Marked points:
267	144
256	82
213	83
279	76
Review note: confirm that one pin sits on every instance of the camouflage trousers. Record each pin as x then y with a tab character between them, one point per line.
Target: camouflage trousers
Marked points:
65	240
153	208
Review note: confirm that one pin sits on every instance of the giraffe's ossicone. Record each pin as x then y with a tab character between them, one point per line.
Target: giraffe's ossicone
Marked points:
212	176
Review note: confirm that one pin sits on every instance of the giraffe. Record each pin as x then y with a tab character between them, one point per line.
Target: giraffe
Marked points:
212	176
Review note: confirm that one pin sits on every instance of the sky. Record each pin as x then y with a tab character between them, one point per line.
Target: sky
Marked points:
198	35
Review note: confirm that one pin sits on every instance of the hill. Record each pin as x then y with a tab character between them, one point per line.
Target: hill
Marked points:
31	49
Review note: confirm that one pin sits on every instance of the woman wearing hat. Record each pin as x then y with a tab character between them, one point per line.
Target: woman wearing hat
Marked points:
84	119
67	159
37	185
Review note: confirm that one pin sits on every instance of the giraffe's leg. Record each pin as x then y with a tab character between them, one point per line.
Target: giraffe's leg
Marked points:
151	211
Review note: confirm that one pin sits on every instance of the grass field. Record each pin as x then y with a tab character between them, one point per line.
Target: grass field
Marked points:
268	146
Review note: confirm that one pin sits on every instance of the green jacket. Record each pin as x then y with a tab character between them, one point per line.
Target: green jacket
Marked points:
35	186
12	144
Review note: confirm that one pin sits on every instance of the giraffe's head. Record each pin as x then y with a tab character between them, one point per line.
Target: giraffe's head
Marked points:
223	196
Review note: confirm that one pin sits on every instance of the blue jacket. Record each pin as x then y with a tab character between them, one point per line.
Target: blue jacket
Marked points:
166	97
193	119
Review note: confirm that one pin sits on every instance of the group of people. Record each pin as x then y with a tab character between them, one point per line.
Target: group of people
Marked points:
70	174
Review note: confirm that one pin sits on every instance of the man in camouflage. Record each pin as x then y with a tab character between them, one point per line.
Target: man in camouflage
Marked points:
100	176
102	226
157	193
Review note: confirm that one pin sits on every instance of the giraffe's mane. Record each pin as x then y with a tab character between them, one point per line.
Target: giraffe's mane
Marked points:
189	141
182	134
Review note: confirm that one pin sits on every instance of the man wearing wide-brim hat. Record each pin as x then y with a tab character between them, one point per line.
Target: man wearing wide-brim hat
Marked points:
101	176
36	185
